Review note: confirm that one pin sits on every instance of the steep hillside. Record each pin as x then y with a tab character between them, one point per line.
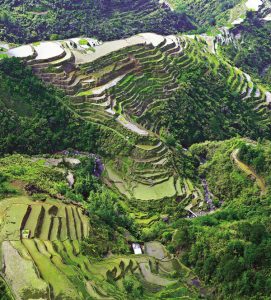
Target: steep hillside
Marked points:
208	13
145	91
216	13
230	248
117	81
249	46
57	245
243	29
136	131
29	21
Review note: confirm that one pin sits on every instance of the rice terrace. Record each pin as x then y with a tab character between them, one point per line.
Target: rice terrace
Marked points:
135	149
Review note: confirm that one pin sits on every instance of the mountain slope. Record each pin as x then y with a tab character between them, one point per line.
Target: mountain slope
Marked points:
116	87
29	21
142	104
230	248
208	13
58	246
250	47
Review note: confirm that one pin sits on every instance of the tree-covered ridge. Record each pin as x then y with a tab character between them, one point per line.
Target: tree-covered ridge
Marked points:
35	117
29	21
230	248
251	47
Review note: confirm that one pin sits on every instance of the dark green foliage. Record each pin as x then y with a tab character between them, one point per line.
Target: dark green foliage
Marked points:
224	179
230	249
5	189
85	181
27	21
133	287
104	204
108	220
254	156
252	52
206	12
227	256
34	118
205	109
4	293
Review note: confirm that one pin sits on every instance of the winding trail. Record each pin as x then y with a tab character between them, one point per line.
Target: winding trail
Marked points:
249	171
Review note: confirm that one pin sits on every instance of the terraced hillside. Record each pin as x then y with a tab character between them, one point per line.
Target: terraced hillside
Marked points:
127	86
28	21
41	242
74	249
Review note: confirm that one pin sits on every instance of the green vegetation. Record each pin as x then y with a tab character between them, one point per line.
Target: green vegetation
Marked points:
229	249
207	13
168	99
252	55
5	188
64	254
83	42
4	292
29	21
157	144
34	118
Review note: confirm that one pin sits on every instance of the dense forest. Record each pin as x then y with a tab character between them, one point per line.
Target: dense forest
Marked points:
30	21
231	248
33	117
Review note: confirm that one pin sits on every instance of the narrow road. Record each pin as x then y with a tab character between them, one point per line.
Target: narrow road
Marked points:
249	171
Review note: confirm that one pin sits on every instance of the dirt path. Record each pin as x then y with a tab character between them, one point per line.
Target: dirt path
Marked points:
249	171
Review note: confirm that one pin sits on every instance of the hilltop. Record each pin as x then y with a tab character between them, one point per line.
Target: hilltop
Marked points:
241	27
247	45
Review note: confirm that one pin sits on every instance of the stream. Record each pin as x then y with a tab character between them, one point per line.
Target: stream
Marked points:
207	195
